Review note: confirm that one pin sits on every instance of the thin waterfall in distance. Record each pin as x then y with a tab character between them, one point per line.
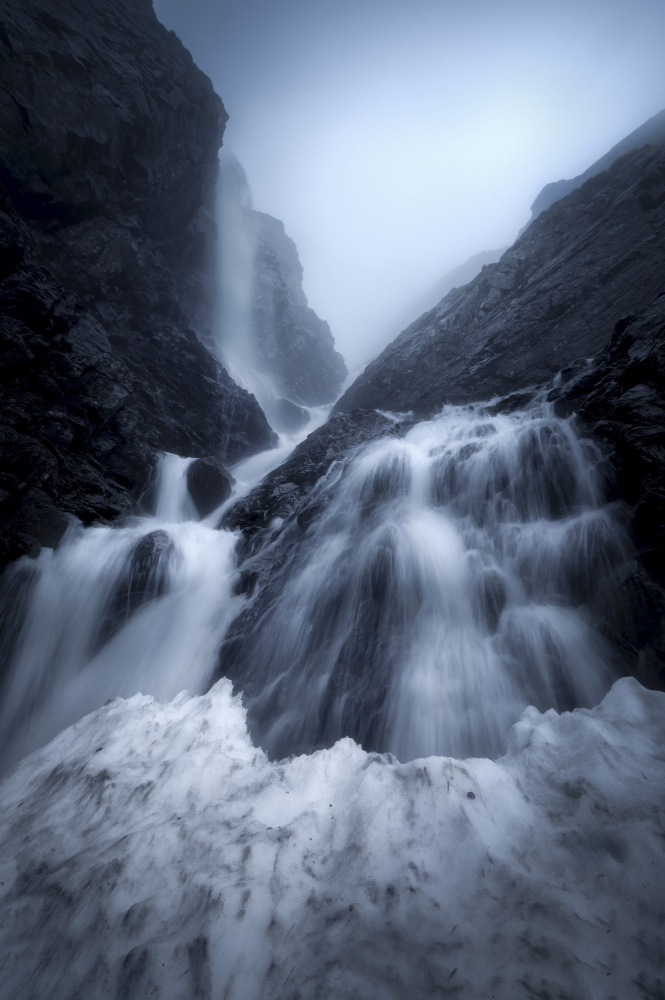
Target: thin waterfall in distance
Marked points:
456	576
236	341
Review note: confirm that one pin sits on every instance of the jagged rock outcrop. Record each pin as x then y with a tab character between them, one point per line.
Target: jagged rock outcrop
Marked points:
268	335
108	160
293	345
652	132
553	297
284	493
275	520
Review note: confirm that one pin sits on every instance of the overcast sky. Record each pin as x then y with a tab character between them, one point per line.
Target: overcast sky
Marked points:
395	138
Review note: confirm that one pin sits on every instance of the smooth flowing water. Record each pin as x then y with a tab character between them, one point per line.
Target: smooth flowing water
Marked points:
452	577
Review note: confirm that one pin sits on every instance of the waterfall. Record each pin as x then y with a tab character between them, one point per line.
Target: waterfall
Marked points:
455	576
452	577
118	610
234	338
236	341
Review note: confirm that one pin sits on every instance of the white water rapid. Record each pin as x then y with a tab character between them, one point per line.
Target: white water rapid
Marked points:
454	576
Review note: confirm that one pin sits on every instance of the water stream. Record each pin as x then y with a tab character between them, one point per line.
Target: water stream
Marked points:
452	577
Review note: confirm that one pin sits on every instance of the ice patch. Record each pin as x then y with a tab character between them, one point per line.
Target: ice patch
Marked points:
152	850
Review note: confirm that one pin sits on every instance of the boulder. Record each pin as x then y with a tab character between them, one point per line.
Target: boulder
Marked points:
209	484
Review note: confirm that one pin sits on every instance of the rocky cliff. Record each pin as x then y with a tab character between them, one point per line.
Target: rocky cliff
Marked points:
267	333
293	344
591	258
108	161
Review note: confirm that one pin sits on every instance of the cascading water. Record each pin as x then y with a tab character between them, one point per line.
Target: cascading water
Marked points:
452	577
235	343
114	611
455	576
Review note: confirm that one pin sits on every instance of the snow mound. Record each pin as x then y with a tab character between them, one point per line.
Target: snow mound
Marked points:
152	851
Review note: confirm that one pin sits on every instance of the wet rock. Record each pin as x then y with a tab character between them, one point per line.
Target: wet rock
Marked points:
492	600
284	493
293	345
620	400
275	519
209	484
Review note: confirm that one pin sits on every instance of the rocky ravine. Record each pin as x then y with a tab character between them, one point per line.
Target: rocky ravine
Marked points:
109	139
568	280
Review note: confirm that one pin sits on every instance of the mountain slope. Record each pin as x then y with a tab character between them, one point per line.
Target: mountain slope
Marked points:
590	259
652	132
293	344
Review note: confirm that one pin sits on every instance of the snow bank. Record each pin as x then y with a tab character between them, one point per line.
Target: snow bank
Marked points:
152	851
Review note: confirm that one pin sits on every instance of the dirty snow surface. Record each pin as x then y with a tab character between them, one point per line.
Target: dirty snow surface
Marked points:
152	851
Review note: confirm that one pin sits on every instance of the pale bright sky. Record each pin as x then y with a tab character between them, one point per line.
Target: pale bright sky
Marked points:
395	139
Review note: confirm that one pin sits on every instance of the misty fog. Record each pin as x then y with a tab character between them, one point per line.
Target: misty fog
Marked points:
395	141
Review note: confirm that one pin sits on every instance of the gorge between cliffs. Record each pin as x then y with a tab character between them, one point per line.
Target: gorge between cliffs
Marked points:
314	685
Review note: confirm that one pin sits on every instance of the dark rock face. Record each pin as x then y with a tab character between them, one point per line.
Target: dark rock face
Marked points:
209	484
593	256
294	346
108	159
621	399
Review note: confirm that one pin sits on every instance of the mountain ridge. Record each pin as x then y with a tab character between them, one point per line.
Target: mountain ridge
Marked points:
650	132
